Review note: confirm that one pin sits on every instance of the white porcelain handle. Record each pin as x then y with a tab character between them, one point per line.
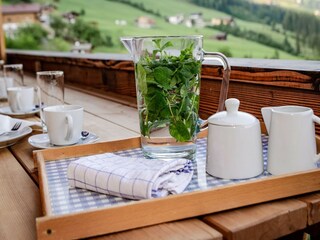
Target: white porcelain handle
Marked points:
316	119
69	122
18	99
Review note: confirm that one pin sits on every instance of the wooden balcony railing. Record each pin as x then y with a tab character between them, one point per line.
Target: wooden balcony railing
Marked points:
255	82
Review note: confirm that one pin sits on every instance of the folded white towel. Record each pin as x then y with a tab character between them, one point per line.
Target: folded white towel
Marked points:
127	177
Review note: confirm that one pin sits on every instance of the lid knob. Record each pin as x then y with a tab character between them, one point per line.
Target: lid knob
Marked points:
232	105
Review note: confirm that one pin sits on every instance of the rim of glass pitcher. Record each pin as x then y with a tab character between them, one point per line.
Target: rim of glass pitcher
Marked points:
163	36
19	66
53	73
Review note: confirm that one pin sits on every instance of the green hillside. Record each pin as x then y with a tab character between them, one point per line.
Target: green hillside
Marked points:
104	13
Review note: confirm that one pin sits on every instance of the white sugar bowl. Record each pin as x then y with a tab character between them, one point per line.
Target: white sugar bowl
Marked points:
234	147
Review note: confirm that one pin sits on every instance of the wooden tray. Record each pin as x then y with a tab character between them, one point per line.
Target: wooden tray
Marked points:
141	213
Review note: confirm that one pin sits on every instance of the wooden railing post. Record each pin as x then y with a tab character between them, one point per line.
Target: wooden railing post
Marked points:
2	39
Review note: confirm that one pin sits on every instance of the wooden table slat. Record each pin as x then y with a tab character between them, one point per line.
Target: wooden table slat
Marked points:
263	221
187	229
19	200
313	203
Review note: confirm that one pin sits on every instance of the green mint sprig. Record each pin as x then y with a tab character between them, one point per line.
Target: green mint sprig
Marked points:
169	91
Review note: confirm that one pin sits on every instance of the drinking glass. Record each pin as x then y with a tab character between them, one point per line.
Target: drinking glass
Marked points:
12	77
50	91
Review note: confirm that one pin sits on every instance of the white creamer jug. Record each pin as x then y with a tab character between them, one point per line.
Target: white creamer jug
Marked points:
292	143
234	149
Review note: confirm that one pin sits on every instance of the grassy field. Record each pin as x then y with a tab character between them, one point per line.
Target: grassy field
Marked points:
104	13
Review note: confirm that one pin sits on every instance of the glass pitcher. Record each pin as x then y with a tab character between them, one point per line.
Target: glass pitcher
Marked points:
167	74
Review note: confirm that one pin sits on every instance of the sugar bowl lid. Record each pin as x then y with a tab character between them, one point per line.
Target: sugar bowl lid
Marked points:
232	117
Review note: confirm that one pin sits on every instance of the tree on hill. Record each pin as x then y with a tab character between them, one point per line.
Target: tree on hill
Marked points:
27	37
79	31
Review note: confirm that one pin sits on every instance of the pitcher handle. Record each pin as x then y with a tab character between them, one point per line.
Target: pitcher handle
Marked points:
203	124
225	76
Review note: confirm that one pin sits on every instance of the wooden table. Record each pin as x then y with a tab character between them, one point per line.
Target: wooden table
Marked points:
20	201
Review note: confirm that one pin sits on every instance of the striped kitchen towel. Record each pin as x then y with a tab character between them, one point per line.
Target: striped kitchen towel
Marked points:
128	177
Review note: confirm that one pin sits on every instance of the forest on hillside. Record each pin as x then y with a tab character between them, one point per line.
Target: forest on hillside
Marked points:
304	26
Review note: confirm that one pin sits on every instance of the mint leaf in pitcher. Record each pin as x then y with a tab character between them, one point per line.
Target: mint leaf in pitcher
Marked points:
168	90
163	76
179	131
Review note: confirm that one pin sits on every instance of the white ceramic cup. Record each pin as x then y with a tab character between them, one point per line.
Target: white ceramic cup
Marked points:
4	84
64	123
21	99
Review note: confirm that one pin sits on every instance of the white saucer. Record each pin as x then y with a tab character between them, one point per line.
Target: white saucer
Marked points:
7	111
42	140
7	140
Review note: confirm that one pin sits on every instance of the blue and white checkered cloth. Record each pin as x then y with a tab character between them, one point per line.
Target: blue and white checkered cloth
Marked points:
130	177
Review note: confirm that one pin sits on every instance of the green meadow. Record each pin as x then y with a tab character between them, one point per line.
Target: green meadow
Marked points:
104	13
